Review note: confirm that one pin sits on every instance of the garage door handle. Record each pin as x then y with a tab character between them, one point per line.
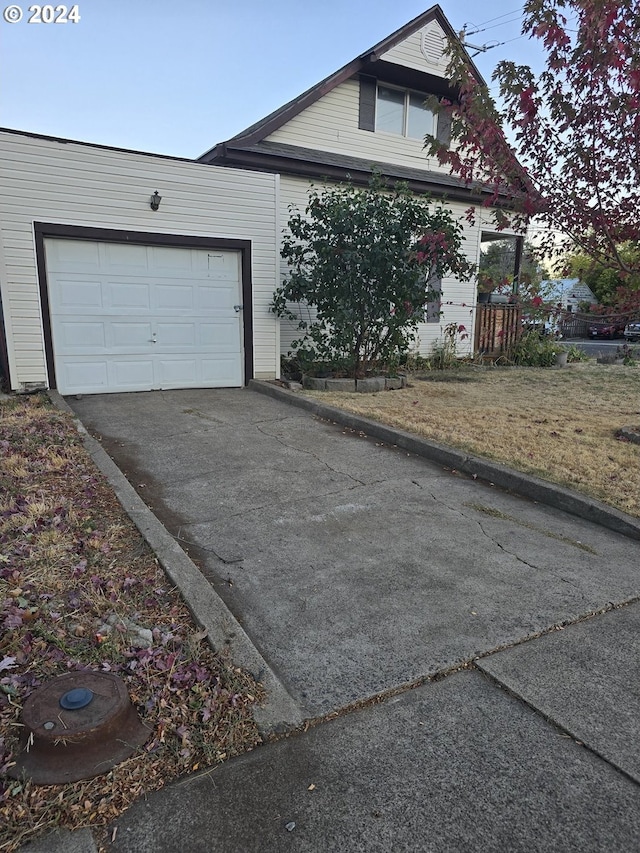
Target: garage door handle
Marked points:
153	338
237	308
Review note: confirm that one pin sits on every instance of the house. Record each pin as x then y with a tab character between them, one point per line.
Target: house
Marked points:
568	293
123	270
371	114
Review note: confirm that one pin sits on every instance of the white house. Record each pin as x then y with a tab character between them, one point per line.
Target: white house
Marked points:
105	287
371	114
568	293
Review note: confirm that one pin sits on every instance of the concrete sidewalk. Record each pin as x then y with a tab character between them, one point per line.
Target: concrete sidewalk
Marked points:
358	570
457	765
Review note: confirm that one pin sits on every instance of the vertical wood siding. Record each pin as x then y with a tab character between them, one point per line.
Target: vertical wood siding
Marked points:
72	184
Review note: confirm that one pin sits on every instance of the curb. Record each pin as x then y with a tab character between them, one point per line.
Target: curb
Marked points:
280	712
525	485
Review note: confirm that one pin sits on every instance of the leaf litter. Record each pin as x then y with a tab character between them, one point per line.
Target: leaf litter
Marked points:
77	581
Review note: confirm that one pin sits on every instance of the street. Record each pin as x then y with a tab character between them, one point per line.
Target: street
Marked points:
593	348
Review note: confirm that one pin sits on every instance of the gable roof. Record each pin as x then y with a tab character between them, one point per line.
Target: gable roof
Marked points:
369	62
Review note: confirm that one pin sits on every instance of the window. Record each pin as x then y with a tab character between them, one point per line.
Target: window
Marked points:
402	112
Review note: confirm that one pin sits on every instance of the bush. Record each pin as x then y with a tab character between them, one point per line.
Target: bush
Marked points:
533	350
575	354
363	261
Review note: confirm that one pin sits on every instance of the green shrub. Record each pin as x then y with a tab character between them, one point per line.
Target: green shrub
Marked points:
533	350
575	354
362	271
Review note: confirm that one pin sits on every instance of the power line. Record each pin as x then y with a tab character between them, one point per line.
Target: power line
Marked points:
484	29
497	18
485	47
480	28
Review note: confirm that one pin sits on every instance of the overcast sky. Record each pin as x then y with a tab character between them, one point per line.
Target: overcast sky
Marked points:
177	76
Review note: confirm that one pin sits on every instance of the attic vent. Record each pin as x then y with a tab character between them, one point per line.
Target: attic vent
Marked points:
432	43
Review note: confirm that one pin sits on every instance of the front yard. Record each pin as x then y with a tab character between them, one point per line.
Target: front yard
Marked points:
70	559
557	424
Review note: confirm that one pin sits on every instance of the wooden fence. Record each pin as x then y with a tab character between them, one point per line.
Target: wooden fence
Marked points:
574	326
498	327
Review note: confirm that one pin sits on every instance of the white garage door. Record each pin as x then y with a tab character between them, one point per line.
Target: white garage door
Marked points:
128	317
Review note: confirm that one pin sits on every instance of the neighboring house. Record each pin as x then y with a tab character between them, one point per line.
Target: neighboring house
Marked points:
369	114
102	290
568	293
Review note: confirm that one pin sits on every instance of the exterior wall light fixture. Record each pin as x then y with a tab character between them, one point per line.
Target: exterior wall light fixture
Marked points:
156	198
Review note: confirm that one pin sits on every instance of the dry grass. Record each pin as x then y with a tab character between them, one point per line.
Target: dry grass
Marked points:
70	557
558	424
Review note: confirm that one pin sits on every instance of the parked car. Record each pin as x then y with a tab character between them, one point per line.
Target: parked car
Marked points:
632	331
607	329
547	327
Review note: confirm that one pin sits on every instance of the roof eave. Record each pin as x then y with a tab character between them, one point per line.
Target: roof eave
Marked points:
241	158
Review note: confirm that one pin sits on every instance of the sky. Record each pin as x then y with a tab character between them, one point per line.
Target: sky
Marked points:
177	76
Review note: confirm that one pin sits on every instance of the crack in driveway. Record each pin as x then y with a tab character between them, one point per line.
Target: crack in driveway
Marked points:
289	446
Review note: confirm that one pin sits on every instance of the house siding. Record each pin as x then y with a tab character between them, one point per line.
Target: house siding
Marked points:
410	52
331	124
458	298
68	183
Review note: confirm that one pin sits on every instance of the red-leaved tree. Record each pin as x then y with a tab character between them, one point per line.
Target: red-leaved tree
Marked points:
564	146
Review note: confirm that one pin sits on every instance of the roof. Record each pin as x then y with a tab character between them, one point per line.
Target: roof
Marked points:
570	288
311	163
369	62
63	140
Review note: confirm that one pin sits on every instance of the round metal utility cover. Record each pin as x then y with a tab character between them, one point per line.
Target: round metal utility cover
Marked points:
65	744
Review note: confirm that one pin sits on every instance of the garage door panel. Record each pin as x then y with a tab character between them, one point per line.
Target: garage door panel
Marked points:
165	259
70	255
76	335
176	372
130	335
220	298
223	266
217	372
129	294
79	376
176	335
132	317
132	374
217	335
125	256
177	297
78	295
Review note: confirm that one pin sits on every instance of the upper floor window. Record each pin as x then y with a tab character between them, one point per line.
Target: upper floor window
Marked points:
403	112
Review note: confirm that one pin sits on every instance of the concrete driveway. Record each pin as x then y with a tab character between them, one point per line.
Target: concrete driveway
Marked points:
355	568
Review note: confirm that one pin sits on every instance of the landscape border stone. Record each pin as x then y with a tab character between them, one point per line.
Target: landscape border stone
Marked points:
341	385
517	482
369	385
314	383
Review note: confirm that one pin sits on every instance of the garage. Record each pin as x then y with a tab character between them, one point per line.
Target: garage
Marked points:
129	271
136	317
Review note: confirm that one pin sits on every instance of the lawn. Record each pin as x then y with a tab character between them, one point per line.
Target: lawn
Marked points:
69	559
559	424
